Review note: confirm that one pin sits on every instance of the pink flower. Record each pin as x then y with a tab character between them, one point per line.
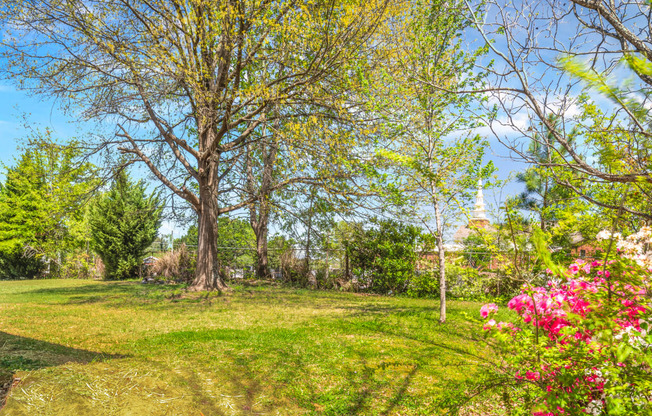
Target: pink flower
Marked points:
559	311
532	375
490	324
606	273
488	309
506	325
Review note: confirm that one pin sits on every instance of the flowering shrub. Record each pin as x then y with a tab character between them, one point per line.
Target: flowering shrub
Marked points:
581	345
635	247
488	309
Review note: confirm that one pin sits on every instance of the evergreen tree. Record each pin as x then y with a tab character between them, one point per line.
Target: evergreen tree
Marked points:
22	223
543	195
124	222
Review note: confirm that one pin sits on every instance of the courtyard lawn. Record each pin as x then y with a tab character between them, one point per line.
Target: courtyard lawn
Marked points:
106	348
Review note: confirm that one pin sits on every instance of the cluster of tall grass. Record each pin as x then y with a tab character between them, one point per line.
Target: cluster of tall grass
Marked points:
178	265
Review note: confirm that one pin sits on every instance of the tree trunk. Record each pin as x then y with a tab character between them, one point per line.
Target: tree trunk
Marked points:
347	272
262	261
309	225
259	211
207	274
327	272
439	238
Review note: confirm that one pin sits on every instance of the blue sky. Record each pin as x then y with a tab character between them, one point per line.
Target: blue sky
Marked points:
17	109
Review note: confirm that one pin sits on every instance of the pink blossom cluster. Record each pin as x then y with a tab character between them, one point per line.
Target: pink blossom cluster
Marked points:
552	308
488	309
558	312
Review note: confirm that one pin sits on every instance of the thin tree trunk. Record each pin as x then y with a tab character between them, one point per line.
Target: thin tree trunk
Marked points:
328	258
439	225
307	258
259	211
347	272
439	238
262	260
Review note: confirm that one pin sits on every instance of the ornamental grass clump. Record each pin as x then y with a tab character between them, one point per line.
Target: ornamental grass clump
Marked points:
582	344
178	264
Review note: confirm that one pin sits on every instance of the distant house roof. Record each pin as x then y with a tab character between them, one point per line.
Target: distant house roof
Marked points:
576	238
465	231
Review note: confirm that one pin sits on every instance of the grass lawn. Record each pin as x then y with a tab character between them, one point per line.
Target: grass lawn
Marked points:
105	348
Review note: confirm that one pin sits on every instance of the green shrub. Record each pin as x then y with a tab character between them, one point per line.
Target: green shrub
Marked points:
424	284
21	263
384	257
79	265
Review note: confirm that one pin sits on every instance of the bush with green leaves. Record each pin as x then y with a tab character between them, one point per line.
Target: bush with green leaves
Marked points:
384	257
20	263
78	265
423	284
124	223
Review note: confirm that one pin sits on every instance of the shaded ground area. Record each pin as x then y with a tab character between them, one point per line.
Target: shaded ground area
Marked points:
82	347
26	354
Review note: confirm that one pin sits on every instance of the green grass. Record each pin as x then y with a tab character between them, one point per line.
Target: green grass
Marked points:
104	348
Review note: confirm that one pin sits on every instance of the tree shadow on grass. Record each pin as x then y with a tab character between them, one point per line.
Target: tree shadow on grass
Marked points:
19	353
130	292
267	371
106	287
354	392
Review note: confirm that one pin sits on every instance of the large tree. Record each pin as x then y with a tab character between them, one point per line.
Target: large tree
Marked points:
189	82
41	204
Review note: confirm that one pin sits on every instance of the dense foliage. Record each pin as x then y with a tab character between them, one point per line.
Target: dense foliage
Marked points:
384	257
41	215
582	344
19	263
123	223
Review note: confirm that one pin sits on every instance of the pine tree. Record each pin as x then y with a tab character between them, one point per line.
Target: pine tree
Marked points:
124	222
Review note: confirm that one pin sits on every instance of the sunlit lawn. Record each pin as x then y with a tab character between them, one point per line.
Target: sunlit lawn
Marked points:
109	348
